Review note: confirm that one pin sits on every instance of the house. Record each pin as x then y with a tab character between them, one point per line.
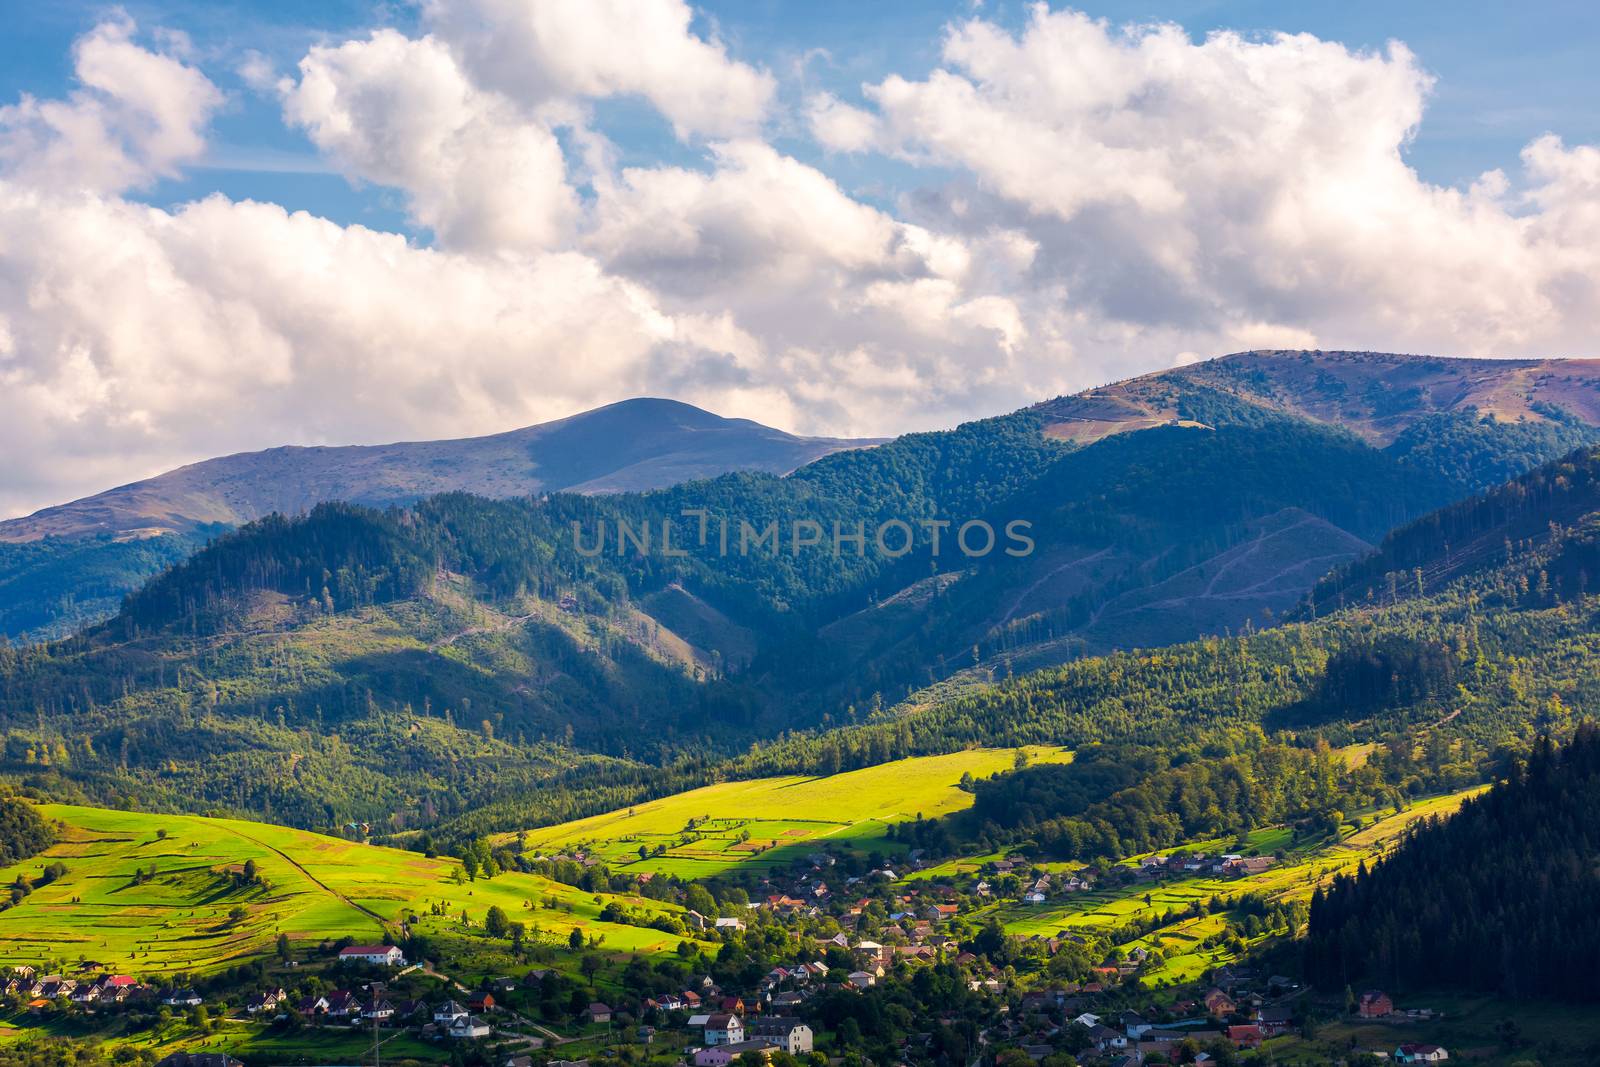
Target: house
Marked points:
482	1000
599	1013
861	979
312	1006
382	955
1374	1004
1249	1036
730	924
723	1055
789	1034
199	1059
449	1012
377	1009
724	1029
468	1027
1420	1054
341	1003
1133	1024
1219	1004
182	998
1277	1020
1033	896
694	920
268	1001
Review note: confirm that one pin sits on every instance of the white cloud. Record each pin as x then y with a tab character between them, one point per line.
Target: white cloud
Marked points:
542	50
137	116
1099	202
399	112
838	126
1238	190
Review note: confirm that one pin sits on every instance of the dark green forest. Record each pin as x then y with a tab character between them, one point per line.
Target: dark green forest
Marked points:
1498	899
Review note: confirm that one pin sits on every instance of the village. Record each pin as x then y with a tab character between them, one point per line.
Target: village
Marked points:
822	936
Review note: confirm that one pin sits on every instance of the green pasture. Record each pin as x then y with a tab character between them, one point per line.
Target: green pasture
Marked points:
765	821
134	900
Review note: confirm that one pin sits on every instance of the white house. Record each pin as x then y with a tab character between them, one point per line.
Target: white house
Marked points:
449	1012
791	1035
469	1026
1420	1054
724	1030
382	955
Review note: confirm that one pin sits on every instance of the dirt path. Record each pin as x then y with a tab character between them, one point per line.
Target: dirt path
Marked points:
1016	604
318	882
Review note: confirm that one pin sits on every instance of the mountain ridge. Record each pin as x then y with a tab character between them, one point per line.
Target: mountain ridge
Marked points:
580	453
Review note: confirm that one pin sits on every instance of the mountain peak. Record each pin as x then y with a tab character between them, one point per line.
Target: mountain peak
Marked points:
635	444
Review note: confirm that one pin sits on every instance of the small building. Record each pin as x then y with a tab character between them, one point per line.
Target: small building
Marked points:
268	1001
1219	1004
381	955
468	1027
481	1001
449	1012
599	1013
723	1055
1248	1036
789	1034
723	1029
1420	1054
199	1059
183	998
1374	1004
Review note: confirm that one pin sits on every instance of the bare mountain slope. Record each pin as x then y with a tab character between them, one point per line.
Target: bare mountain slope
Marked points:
632	445
1374	394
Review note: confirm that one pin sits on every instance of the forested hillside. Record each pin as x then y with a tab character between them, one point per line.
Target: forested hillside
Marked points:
1500	898
391	666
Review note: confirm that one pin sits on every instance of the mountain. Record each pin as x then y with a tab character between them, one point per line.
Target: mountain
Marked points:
628	446
1521	862
71	564
1378	396
295	646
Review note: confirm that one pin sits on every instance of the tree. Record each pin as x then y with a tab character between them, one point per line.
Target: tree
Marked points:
495	923
284	952
575	940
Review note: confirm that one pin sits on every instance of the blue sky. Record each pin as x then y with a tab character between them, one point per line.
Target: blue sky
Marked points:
226	226
1506	73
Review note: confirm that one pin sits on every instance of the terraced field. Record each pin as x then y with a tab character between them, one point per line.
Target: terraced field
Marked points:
772	820
1182	941
153	893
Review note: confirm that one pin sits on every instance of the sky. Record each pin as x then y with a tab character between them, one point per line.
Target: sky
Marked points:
227	225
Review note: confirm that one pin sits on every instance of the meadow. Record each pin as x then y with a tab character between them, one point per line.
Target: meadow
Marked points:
153	894
1182	940
768	821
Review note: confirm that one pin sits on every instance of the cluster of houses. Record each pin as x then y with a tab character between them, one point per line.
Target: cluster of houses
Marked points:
93	988
1197	864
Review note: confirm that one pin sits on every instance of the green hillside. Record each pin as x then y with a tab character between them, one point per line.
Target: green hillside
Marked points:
148	894
764	822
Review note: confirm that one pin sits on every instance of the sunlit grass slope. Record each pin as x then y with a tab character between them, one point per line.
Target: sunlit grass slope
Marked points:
180	917
770	820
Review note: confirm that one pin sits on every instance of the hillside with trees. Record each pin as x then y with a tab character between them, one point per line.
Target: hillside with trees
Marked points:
1500	898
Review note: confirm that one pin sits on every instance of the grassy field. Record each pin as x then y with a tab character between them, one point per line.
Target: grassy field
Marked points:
772	820
1182	941
179	915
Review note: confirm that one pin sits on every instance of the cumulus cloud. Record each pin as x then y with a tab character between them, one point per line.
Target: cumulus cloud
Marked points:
136	116
838	126
1236	188
542	50
400	112
1099	201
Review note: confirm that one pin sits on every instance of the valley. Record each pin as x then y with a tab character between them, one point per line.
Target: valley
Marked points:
1260	647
